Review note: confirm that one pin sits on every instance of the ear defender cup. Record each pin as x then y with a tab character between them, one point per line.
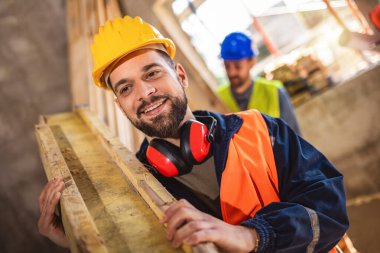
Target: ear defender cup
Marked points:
195	145
166	158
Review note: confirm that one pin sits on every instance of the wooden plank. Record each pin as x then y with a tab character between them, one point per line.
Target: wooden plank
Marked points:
124	132
76	55
101	105
111	113
92	98
121	217
128	135
79	227
113	9
150	189
138	137
101	11
187	11
91	19
155	195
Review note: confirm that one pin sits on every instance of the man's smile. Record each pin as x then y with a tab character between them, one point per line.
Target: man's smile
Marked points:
152	109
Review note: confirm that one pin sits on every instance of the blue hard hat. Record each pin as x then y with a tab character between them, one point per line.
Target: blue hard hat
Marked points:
236	46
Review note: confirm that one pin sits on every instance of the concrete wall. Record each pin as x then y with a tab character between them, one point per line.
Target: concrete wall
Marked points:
344	123
33	81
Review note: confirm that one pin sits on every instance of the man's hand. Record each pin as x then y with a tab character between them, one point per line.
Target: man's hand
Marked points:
49	224
186	224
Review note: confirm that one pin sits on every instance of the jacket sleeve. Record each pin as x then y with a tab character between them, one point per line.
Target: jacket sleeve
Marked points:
311	216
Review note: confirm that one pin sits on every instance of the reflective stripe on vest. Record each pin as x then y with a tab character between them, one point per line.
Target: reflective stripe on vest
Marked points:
263	98
249	181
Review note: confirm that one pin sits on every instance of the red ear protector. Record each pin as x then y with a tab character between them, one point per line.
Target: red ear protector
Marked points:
195	146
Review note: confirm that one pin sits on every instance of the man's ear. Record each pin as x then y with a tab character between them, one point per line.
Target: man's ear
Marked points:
252	62
181	73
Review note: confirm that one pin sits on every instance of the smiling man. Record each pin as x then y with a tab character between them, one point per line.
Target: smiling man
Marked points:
159	106
244	181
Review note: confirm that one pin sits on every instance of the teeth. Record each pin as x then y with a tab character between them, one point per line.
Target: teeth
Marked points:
152	107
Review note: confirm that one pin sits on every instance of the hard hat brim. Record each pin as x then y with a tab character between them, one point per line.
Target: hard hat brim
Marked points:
167	47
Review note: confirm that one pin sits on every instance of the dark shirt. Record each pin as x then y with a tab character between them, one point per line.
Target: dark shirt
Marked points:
242	99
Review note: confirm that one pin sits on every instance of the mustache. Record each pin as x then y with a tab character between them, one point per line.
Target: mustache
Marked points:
145	103
233	77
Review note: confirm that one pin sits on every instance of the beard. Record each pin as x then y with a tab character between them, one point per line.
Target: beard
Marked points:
236	81
164	125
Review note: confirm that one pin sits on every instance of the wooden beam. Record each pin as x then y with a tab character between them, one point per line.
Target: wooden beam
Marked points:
79	226
187	11
150	189
267	41
359	17
155	195
335	14
78	77
113	9
118	219
111	113
101	11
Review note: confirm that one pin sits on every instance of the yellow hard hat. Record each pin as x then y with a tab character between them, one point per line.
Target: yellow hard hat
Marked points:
120	37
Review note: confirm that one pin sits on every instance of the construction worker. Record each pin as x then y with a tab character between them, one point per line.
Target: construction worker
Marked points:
242	93
244	181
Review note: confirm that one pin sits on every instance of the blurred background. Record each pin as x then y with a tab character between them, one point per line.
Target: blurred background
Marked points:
325	52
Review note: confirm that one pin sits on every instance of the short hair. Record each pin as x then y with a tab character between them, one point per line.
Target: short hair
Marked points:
166	57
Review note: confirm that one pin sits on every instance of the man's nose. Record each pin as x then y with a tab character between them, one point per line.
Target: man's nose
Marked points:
231	71
145	90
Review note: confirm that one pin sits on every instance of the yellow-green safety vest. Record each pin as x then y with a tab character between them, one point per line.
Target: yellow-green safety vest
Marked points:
264	97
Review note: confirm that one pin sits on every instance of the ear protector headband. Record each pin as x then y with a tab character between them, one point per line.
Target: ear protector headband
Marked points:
195	147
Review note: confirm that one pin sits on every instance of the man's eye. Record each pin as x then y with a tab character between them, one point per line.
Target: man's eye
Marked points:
152	74
124	89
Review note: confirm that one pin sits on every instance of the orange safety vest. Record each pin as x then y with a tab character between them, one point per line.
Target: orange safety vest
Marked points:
249	181
250	169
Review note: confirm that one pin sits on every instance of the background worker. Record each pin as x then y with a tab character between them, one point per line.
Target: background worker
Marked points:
242	92
289	197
